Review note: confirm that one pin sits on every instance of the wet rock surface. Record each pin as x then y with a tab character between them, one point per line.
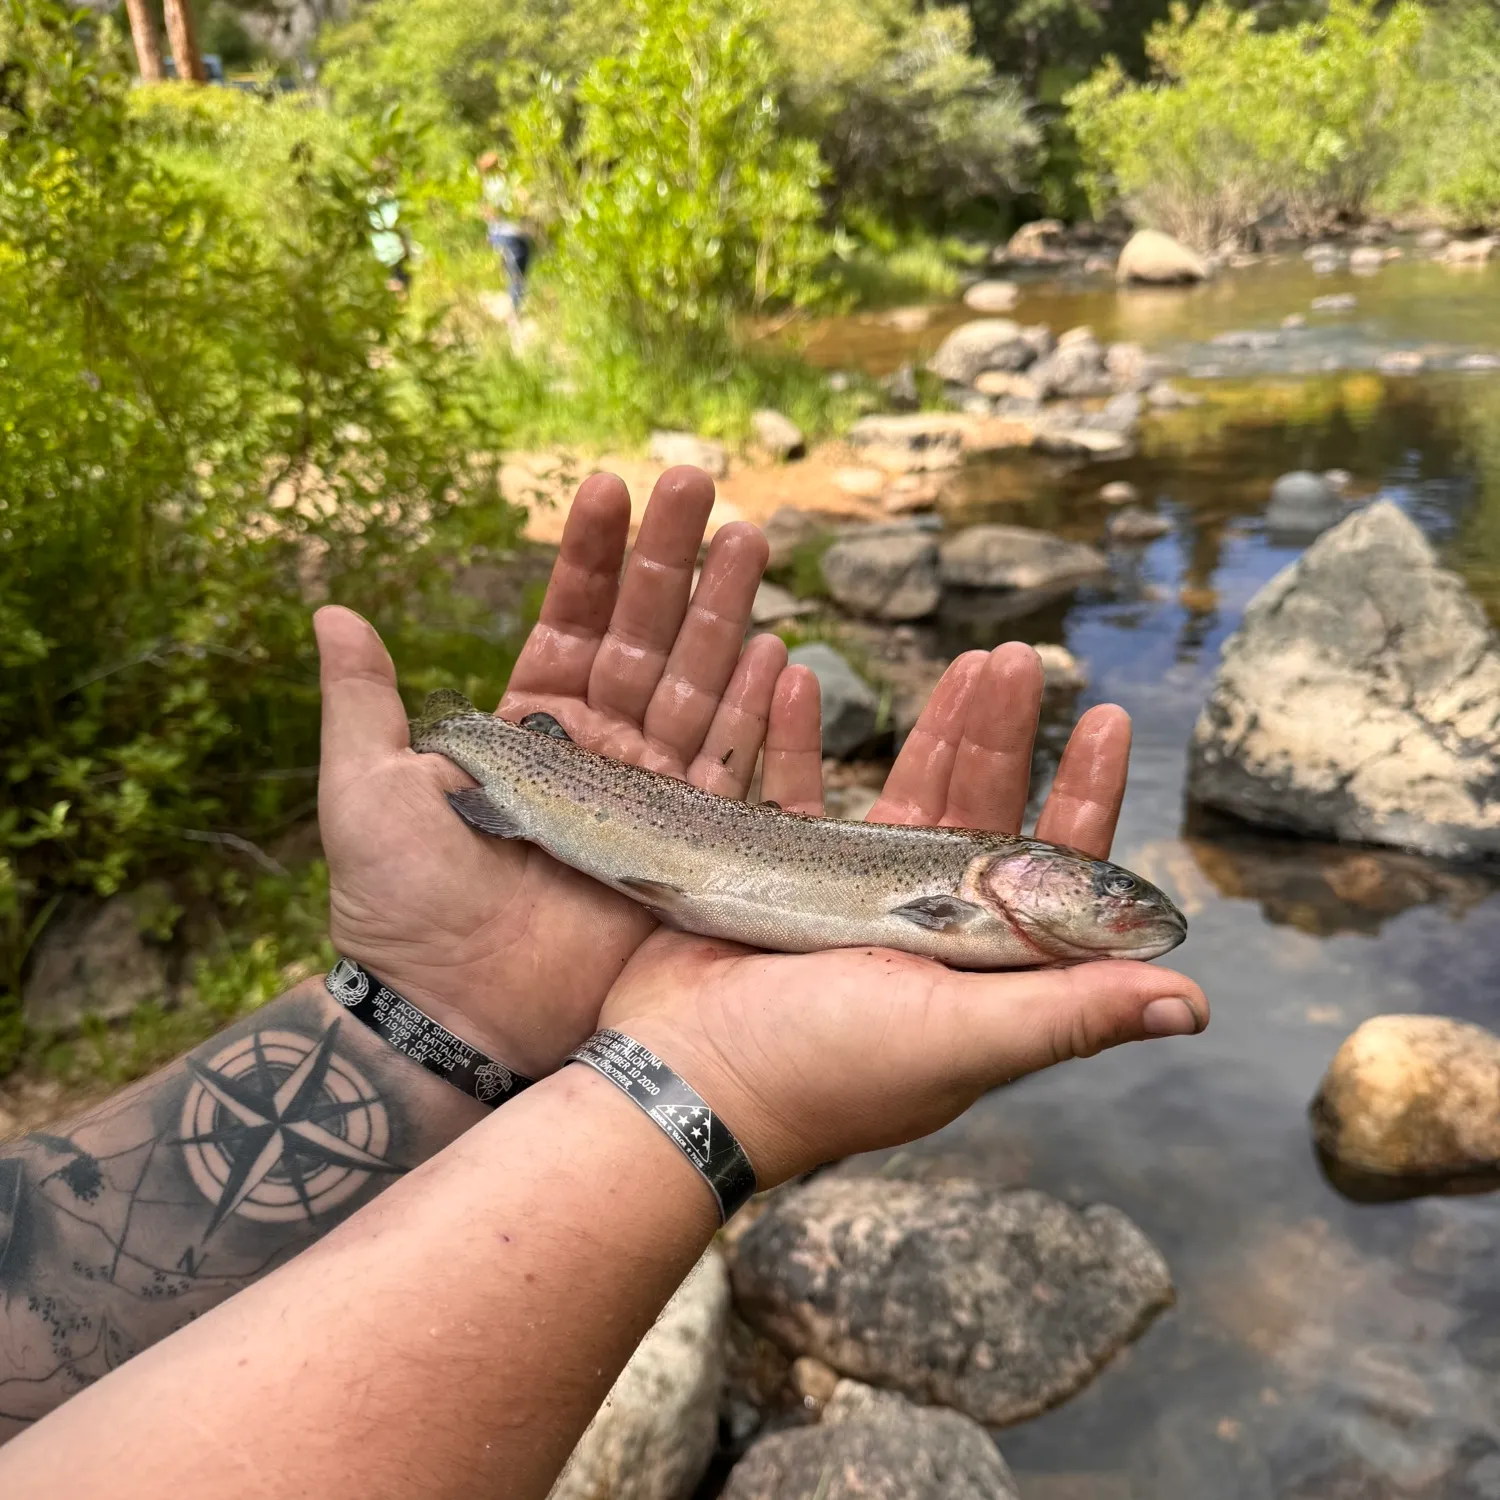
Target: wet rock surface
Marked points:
874	1445
998	1304
653	1437
1360	699
884	574
1016	557
1409	1096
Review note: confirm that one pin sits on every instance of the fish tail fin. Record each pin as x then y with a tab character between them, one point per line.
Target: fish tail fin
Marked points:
441	705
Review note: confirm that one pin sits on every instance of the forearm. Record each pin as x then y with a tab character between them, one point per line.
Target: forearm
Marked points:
452	1339
121	1226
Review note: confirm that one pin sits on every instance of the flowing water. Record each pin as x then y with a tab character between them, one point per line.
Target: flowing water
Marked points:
1320	1346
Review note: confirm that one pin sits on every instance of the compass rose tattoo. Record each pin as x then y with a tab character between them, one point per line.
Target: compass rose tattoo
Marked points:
180	1192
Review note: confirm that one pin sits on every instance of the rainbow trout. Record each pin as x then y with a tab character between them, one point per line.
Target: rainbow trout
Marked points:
773	879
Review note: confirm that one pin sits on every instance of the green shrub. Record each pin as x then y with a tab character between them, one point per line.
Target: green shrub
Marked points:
204	428
1238	123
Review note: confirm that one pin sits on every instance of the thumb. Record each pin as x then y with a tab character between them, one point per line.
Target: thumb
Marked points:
1009	1028
363	718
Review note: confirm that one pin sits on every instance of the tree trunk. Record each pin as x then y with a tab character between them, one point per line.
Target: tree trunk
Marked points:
143	34
184	41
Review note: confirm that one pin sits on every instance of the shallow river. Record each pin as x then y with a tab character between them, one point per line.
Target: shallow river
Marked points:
1319	1346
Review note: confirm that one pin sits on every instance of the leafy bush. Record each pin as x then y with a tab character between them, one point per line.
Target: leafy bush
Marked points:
1238	123
204	427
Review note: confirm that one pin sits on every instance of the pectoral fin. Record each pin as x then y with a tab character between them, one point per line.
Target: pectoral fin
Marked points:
937	913
475	806
546	724
662	898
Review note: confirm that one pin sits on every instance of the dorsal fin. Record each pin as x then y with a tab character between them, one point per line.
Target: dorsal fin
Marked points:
441	705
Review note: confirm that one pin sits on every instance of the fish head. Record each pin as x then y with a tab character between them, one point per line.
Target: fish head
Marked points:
1070	907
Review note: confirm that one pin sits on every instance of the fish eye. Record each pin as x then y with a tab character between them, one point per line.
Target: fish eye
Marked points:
1118	883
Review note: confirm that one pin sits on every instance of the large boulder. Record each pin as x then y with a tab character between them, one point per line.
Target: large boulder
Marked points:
851	707
1413	1096
874	1445
1039	243
1157	259
911	440
95	959
672	448
884	573
985	344
992	296
999	1304
1016	557
1302	505
654	1435
1360	699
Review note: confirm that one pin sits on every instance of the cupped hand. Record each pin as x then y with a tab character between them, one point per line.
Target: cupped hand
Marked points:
813	1057
510	949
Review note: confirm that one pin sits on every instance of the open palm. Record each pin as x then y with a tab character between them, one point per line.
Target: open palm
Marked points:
512	950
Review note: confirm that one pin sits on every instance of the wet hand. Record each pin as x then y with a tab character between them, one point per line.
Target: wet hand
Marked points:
811	1058
510	949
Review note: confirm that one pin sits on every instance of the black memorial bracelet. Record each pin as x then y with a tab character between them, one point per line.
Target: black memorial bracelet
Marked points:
425	1041
679	1110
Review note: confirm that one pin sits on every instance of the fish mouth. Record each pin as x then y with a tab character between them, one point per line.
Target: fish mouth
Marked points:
1162	930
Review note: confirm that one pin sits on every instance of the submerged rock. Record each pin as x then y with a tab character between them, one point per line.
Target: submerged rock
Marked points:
1016	557
1412	1096
1164	396
985	344
1401	361
874	1445
654	1435
778	435
1158	259
1096	443
1119	492
1336	302
1468	252
1302	505
884	574
999	1304
1360	699
992	296
1366	260
1136	526
671	448
851	706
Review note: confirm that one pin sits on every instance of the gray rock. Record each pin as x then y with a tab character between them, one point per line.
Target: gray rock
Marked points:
1479	362
875	1445
1468	252
1432	239
1338	302
985	344
851	707
1082	442
1157	259
1256	340
772	602
1129	366
1302	505
1366	260
1001	383
672	448
900	389
1163	396
778	435
1062	672
1133	525
1121	414
93	959
1412	1096
1323	250
654	1435
1016	557
1360	699
1038	338
1119	492
999	1304
1074	369
912	440
992	296
1039	243
889	574
1401	361
787	528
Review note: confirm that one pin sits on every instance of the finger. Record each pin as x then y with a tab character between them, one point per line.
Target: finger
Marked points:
653	595
792	768
363	717
1084	804
916	791
727	761
559	653
992	768
708	645
1014	1024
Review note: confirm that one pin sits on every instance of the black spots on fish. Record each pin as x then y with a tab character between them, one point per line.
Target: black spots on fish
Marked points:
540	723
475	806
937	913
601	816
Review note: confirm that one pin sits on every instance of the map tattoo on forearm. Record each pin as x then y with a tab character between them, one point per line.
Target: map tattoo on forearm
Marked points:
174	1196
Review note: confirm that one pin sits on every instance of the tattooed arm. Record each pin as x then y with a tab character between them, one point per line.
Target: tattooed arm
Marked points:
138	1217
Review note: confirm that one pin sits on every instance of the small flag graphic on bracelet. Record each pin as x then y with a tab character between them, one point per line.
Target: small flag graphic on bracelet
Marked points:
696	1122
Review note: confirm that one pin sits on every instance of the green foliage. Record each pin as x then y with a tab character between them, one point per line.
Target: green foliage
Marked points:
205	426
1239	123
910	121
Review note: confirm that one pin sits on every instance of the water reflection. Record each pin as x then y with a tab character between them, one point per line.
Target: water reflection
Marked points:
1322	1347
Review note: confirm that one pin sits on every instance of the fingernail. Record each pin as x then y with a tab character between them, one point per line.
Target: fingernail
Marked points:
1172	1016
